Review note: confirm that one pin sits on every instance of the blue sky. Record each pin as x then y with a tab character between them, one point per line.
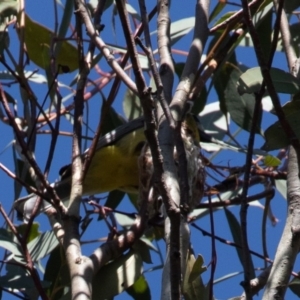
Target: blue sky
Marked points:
227	262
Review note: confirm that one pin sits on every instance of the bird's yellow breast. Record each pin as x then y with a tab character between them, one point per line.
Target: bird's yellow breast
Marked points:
115	166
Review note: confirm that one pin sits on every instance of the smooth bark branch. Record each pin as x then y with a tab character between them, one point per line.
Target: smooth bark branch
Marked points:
79	266
166	69
94	35
289	244
177	237
172	272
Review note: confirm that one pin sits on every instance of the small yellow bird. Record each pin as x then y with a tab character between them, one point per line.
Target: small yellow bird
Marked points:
114	165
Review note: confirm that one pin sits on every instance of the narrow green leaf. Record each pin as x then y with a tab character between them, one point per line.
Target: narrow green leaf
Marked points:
250	82
114	199
41	246
192	289
294	286
53	273
281	187
7	242
132	105
117	276
214	121
143	250
179	29
235	229
197	269
264	30
216	10
133	12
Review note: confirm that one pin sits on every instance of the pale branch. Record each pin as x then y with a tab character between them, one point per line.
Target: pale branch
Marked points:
176	229
287	42
235	18
289	244
80	267
114	248
258	283
201	33
110	99
161	93
94	35
166	68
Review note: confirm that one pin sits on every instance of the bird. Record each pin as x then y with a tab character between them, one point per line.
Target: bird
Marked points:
117	164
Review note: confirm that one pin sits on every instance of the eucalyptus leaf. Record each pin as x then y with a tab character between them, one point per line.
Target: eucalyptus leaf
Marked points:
179	29
132	105
240	107
38	41
275	135
8	242
193	287
235	229
251	81
294	286
140	290
117	276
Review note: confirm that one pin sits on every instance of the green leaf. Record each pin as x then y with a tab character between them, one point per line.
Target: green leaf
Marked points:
241	108
7	242
264	30
114	199
34	230
197	269
236	234
117	276
179	29
217	9
38	40
291	5
124	220
133	12
132	105
143	250
251	81
214	121
192	289
271	161
200	102
281	187
53	273
275	135
40	246
140	290
294	286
